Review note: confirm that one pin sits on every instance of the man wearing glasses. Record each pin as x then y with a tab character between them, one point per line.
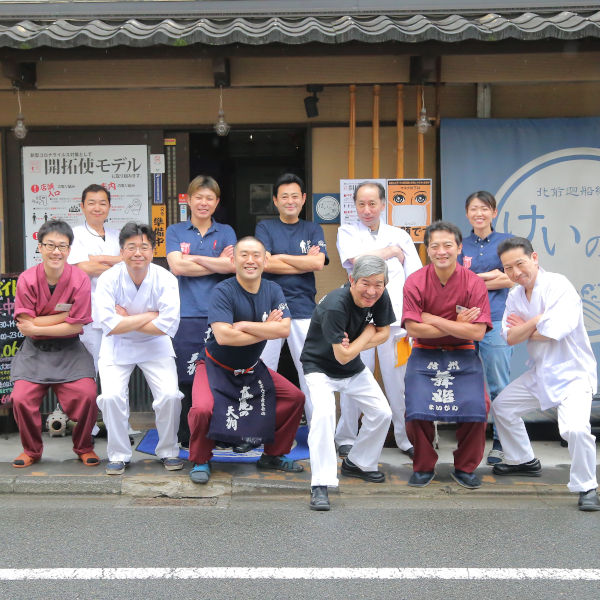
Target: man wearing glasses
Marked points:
52	304
137	306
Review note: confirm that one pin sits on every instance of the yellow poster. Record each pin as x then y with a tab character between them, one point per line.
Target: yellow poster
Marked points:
409	205
159	225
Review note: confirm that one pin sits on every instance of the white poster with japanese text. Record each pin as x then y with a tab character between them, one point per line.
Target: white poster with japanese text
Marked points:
347	210
55	176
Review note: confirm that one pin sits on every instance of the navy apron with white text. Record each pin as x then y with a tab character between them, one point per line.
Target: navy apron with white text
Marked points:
445	385
244	404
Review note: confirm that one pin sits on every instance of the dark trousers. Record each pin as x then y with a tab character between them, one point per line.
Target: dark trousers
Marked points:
289	405
183	434
468	455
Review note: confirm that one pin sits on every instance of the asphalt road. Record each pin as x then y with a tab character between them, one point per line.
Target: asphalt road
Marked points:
361	532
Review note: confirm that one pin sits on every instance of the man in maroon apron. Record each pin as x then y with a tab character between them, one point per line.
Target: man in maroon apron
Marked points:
235	397
52	304
446	307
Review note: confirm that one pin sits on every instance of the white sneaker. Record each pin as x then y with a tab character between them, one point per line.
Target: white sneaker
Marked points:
495	456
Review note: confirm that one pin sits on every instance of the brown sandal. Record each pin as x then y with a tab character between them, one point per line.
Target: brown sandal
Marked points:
23	460
89	459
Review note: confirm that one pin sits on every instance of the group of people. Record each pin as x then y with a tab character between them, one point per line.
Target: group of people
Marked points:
208	336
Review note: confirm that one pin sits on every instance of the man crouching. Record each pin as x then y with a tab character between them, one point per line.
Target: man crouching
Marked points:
235	397
545	310
52	304
137	304
347	321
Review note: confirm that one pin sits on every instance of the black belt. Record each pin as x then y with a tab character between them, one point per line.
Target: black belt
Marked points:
54	345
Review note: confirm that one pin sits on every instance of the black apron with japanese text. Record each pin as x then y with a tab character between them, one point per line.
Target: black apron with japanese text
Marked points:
188	345
244	403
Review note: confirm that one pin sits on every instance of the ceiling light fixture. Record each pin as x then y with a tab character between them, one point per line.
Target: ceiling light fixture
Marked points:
423	123
222	128
20	130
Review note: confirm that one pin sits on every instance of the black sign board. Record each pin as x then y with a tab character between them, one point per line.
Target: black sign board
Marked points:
10	337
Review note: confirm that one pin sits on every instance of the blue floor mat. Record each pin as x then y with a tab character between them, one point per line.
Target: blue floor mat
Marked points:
299	450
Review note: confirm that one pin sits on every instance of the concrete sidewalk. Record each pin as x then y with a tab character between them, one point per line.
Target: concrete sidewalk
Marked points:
60	472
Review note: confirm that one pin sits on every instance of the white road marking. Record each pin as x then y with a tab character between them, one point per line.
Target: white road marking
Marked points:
472	574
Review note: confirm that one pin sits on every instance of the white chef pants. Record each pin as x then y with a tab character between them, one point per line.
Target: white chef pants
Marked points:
361	390
573	425
393	381
296	339
161	376
91	339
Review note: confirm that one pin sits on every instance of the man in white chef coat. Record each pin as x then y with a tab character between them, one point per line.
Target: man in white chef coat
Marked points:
370	236
137	305
545	310
94	250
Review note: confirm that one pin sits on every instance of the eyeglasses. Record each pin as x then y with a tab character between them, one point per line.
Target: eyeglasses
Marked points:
51	247
134	247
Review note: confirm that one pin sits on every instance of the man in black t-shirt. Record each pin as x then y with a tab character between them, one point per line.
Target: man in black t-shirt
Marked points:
235	398
347	321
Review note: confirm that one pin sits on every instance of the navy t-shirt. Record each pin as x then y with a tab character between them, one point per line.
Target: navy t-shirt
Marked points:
230	303
335	314
296	239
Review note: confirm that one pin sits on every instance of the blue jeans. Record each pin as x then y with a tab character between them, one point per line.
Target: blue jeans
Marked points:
495	355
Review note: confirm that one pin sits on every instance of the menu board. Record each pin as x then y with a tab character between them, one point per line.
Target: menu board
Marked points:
10	337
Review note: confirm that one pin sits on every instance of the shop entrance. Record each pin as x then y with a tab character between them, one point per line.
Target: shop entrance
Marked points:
246	163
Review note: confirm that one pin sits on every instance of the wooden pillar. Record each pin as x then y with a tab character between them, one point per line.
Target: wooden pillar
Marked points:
375	168
352	134
400	131
421	162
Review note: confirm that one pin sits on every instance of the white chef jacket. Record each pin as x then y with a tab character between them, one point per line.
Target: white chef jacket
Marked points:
85	243
355	238
159	292
567	359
